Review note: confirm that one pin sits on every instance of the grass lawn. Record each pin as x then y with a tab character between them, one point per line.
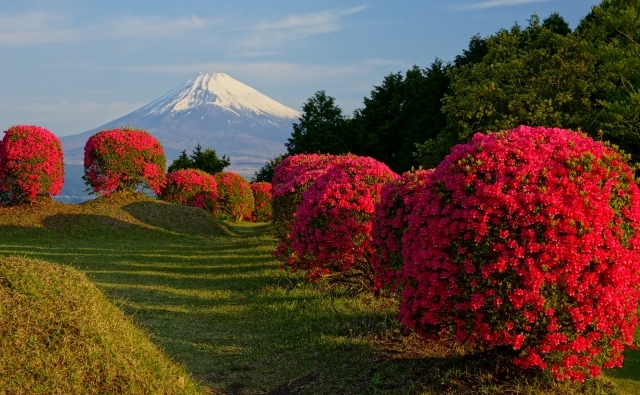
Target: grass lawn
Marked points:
212	298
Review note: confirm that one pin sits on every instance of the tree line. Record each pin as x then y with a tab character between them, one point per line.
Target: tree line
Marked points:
544	74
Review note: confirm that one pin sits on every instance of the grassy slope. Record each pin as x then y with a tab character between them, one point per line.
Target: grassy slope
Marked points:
212	298
58	334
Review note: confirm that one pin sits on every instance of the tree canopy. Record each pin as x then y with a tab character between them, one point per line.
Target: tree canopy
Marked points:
543	74
320	129
206	161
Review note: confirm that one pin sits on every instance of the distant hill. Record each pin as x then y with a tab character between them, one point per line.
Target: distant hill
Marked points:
213	110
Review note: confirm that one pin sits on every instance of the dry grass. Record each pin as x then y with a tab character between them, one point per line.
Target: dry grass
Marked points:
59	335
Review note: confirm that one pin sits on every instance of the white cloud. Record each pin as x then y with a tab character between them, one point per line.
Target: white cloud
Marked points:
497	3
38	28
62	118
294	27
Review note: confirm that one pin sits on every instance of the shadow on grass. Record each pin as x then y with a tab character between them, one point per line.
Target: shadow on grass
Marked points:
630	368
175	218
215	301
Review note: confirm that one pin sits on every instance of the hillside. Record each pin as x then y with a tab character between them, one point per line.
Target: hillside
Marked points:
211	297
59	334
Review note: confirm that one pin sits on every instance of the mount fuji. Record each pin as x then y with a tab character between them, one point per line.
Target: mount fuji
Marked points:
213	110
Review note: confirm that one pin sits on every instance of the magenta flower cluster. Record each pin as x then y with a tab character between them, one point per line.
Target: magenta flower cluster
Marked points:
31	164
390	222
528	239
235	199
291	178
331	224
262	211
191	187
124	159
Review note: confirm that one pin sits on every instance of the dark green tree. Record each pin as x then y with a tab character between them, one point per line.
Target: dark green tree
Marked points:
612	32
265	174
402	111
380	124
207	161
321	128
532	76
183	162
557	24
474	54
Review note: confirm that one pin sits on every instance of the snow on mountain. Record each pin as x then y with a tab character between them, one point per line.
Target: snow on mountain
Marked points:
213	110
218	89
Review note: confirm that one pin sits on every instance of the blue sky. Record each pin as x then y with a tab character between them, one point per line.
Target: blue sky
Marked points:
71	66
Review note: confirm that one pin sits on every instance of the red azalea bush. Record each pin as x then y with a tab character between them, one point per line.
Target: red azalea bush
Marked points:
281	172
262	200
191	187
291	178
529	239
390	222
123	159
235	199
332	228
30	164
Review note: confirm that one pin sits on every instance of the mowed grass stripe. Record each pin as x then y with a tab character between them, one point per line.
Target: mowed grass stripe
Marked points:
212	298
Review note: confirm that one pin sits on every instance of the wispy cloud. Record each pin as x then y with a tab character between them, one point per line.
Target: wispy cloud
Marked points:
38	28
295	27
495	4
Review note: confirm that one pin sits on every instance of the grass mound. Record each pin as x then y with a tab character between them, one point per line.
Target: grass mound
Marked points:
59	334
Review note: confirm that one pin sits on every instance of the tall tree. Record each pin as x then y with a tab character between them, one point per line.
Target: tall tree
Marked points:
380	123
612	31
557	24
532	76
321	128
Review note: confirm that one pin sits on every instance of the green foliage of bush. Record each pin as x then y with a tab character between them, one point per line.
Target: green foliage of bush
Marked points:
262	199
235	199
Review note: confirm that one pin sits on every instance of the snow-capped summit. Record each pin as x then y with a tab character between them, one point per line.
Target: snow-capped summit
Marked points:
213	110
218	89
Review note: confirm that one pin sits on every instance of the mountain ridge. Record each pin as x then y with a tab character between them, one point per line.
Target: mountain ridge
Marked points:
213	110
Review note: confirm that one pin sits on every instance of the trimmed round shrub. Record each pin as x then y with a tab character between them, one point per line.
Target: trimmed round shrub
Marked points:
262	200
191	187
390	222
31	164
291	178
332	228
528	239
123	159
235	199
287	165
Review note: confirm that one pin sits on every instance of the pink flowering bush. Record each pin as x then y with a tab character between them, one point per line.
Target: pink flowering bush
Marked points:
390	222
123	159
528	239
332	228
291	178
30	164
235	199
262	200
281	173
191	187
